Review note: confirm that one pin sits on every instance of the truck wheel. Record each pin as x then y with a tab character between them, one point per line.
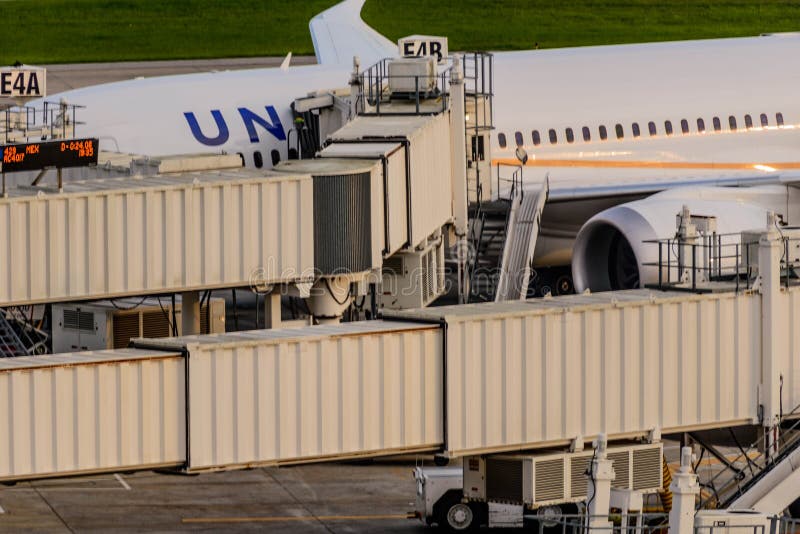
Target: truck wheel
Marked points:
462	517
440	460
456	516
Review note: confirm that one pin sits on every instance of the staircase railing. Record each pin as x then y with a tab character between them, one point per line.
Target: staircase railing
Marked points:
746	469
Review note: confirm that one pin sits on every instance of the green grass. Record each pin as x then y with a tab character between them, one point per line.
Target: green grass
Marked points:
519	24
66	31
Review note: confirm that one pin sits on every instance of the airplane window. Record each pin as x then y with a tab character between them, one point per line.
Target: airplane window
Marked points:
684	126
618	130
651	126
764	120
668	127
570	136
748	122
276	157
717	124
241	156
537	139
518	138
635	129
779	119
701	125
603	133
501	139
257	159
587	136
553	137
732	123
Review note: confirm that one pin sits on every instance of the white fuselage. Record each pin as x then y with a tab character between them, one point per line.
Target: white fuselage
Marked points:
539	90
607	86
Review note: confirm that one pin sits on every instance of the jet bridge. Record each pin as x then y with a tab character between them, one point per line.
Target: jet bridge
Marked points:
467	380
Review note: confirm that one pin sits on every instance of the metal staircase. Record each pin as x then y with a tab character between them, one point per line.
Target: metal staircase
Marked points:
488	235
754	479
524	222
18	337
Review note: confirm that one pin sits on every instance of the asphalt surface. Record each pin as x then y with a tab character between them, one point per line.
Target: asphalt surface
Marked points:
73	76
352	498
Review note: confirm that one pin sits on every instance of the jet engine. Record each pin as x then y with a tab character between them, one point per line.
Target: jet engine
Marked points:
610	252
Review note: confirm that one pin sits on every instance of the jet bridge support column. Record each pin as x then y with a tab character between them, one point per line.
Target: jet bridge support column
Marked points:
773	337
458	165
599	491
685	487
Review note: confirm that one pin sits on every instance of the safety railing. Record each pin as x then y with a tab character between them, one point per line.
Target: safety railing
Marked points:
751	463
376	87
633	523
48	119
685	263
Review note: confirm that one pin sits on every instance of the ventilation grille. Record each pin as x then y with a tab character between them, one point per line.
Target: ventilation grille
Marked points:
79	320
578	481
126	326
394	265
621	468
504	480
428	276
155	324
550	480
647	469
342	223
204	315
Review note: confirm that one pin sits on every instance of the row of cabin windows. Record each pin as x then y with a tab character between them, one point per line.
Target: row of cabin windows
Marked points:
652	129
258	159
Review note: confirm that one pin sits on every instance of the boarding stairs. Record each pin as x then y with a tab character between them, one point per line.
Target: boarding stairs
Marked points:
488	234
524	223
756	480
18	337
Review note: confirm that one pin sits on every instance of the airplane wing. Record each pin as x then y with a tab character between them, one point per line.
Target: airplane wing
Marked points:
569	191
339	33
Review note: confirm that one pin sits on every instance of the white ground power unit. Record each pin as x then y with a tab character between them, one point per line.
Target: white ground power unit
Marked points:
501	490
111	324
541	480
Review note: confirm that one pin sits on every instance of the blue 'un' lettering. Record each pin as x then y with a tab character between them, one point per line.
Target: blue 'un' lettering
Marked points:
222	136
250	119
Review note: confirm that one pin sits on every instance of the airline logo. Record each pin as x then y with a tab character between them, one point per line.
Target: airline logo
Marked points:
252	122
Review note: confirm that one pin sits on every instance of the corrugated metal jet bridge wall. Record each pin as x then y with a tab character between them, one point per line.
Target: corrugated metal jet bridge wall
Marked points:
154	234
465	379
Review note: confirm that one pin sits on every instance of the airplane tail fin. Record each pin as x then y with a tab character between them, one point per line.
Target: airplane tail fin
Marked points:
339	33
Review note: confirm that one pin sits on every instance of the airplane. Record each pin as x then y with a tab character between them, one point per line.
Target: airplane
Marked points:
626	134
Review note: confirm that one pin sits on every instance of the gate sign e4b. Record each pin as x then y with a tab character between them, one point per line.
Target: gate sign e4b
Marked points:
423	45
22	82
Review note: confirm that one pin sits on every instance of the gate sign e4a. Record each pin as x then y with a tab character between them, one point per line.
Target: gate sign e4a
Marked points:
23	82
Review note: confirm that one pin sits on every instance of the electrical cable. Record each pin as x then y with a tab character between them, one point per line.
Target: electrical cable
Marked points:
333	295
123	308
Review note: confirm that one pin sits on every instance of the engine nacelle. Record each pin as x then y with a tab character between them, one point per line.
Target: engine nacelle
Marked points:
610	253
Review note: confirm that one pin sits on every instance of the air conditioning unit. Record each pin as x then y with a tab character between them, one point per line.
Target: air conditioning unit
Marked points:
411	75
730	522
538	480
413	279
111	324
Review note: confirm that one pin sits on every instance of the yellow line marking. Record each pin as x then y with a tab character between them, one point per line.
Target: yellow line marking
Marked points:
280	519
